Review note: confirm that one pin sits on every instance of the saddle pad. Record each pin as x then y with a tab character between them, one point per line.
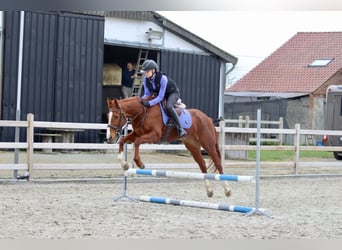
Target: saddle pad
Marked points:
185	117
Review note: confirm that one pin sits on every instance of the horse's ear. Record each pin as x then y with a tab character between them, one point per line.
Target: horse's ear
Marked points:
110	102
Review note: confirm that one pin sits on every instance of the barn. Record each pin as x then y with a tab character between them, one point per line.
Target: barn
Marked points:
291	82
71	62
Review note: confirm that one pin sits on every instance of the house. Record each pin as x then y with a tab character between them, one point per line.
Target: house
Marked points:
72	62
291	82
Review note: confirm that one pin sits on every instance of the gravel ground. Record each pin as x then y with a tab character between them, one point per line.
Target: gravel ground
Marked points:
48	207
301	208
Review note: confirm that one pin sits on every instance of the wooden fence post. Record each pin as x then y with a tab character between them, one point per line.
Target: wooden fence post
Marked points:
297	147
247	122
240	121
29	139
281	126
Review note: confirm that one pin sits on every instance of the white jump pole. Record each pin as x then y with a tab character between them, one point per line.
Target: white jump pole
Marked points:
189	175
257	169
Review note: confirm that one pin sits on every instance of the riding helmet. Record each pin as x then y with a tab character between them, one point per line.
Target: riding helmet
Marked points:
149	64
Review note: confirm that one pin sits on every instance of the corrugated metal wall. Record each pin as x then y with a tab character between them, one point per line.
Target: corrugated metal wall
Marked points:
39	62
10	67
198	78
62	68
79	66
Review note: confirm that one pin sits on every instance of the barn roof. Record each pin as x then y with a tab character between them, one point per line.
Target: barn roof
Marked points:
170	26
303	64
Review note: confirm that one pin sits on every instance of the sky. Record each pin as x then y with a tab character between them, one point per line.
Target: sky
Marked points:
251	36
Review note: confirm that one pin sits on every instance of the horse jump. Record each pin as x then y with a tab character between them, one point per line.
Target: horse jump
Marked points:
206	176
191	176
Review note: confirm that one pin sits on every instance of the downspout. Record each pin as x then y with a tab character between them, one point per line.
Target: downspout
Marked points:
19	83
230	70
223	77
2	24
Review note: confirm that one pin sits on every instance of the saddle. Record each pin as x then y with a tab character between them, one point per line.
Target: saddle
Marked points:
179	106
184	117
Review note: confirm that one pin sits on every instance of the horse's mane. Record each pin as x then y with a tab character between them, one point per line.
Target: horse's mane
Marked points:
133	99
130	99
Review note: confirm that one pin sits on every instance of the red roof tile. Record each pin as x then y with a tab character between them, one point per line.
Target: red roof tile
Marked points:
286	69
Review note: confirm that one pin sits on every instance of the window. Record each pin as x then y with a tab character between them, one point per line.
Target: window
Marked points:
320	62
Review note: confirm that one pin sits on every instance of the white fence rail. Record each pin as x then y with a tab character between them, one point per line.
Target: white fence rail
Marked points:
30	145
247	123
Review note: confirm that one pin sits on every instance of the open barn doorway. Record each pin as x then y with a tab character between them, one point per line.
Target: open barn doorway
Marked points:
115	60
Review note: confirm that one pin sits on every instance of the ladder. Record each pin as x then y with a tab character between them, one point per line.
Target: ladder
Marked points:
138	80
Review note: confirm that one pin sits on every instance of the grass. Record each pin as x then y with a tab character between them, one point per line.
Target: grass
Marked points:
287	155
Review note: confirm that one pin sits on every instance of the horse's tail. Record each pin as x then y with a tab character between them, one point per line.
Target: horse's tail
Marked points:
216	143
217	123
218	149
215	156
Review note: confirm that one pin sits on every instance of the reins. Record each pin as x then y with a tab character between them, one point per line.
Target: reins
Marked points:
144	117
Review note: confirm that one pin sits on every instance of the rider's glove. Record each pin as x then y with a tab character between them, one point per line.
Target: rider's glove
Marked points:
146	104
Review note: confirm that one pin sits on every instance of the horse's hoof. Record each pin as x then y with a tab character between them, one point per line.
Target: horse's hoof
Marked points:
142	166
228	193
125	166
210	194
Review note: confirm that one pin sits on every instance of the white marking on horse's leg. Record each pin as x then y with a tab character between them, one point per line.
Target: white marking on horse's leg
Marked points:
210	191
124	164
226	187
108	128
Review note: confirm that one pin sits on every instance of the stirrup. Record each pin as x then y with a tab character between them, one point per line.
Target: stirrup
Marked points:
181	132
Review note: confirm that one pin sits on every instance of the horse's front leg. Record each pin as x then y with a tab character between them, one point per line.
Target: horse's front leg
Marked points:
121	157
147	138
137	158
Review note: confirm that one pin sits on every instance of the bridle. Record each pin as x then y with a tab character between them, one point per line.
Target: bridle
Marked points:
119	130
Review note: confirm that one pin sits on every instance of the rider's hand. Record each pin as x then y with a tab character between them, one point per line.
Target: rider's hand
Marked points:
146	104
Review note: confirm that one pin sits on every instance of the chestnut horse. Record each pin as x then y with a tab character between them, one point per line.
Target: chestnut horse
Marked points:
148	127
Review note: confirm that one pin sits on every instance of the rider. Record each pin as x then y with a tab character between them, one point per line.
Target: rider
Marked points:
157	85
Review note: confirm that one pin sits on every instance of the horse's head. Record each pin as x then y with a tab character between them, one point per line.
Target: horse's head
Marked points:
117	120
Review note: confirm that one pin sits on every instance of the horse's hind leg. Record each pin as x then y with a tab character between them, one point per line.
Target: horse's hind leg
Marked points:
195	149
215	155
226	187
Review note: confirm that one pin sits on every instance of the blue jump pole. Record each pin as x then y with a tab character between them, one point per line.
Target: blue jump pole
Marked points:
197	204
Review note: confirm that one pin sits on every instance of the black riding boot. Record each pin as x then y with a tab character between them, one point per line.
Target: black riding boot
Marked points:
175	118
